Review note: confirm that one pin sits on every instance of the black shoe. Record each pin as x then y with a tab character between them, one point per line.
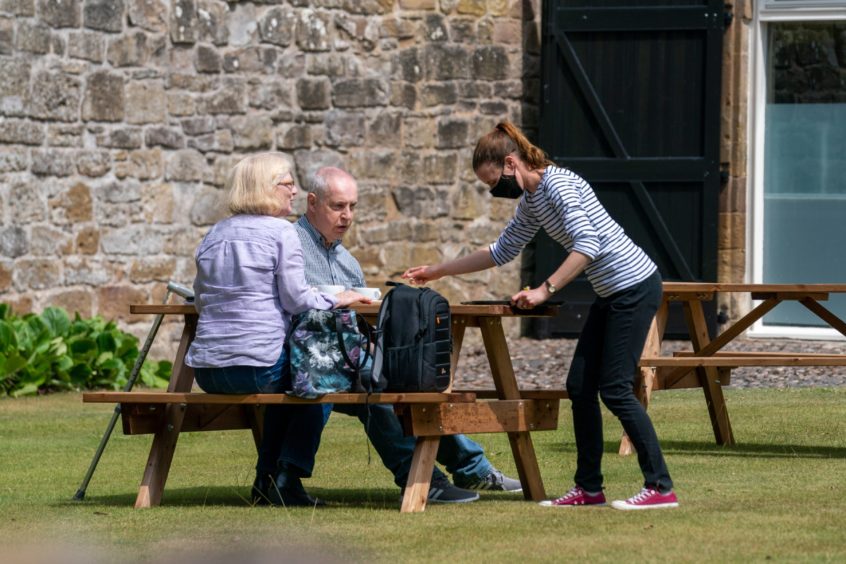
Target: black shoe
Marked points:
287	490
261	485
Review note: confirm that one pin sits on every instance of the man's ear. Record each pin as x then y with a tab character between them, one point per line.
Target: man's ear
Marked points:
311	201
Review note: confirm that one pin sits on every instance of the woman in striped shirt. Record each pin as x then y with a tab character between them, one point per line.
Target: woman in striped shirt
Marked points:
626	281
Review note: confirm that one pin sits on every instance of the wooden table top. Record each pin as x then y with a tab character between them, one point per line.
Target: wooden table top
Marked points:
700	287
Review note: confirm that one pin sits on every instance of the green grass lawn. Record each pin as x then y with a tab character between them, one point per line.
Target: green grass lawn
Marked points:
779	495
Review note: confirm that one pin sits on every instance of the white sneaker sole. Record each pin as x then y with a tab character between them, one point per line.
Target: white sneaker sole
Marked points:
548	503
623	506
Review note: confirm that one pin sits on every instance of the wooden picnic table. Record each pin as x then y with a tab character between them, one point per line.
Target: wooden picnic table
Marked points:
428	416
708	366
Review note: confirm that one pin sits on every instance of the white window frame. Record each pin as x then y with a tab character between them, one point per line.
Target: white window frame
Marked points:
773	11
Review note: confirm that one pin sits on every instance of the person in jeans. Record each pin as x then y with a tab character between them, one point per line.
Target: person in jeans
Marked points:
331	205
250	281
628	286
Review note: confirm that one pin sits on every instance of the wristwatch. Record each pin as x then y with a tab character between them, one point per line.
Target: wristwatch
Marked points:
552	289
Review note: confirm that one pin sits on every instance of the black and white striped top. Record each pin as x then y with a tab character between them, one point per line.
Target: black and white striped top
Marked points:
566	206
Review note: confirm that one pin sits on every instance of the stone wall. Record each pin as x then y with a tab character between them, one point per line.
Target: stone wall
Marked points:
120	118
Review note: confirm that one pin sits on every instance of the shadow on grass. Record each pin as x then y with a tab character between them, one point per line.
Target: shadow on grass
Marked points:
199	496
704	448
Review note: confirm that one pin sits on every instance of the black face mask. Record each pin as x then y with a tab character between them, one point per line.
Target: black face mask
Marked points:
507	187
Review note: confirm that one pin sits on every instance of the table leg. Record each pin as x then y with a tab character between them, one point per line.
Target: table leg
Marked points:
164	441
505	382
459	324
709	376
420	475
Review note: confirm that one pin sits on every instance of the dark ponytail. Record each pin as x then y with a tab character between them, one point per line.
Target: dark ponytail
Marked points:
503	140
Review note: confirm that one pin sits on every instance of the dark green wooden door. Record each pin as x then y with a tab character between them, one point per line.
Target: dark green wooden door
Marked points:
631	102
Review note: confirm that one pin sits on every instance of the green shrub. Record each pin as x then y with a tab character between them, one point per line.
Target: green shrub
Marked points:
48	352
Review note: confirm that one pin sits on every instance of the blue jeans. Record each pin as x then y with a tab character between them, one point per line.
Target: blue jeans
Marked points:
462	457
291	432
604	365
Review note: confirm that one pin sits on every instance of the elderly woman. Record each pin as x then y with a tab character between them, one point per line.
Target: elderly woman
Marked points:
250	281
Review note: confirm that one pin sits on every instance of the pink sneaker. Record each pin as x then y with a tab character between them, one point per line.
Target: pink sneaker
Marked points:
576	496
648	498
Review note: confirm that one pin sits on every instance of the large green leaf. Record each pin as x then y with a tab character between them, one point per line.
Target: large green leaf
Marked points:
57	320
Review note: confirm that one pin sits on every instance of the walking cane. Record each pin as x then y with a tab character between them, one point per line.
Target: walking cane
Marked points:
172	287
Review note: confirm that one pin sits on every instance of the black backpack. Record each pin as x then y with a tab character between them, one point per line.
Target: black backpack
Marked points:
413	341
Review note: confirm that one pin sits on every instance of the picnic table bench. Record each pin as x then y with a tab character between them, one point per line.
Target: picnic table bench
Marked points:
427	416
708	366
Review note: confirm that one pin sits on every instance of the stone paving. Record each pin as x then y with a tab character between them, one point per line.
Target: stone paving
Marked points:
544	363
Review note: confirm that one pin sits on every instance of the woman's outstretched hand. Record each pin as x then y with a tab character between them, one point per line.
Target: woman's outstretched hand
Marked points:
420	274
348	297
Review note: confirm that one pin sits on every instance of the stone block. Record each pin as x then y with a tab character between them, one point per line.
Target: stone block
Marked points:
309	161
163	136
290	137
182	241
113	301
121	138
7	36
445	62
26	201
468	203
88	241
6	269
36	274
135	240
73	301
14	88
186	165
104	15
184	23
72	206
252	132
417	4
408	65
403	95
13	159
104	99
13	242
60	13
180	104
373	163
507	32
313	31
128	50
217	22
453	133
278	26
360	93
250	60
152	269
55	97
440	168
208	208
157	202
93	163
207	59
472	7
399	28
439	93
47	241
220	141
21	132
198	125
85	271
221	168
385	130
146	102
18	7
52	162
230	100
345	128
274	96
490	63
148	14
64	135
143	164
33	37
435	29
418	132
86	45
314	93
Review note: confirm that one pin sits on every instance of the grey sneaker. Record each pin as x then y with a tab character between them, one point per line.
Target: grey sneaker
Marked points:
496	481
442	491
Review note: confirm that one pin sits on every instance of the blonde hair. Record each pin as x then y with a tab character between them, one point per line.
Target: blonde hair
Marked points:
504	139
251	187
